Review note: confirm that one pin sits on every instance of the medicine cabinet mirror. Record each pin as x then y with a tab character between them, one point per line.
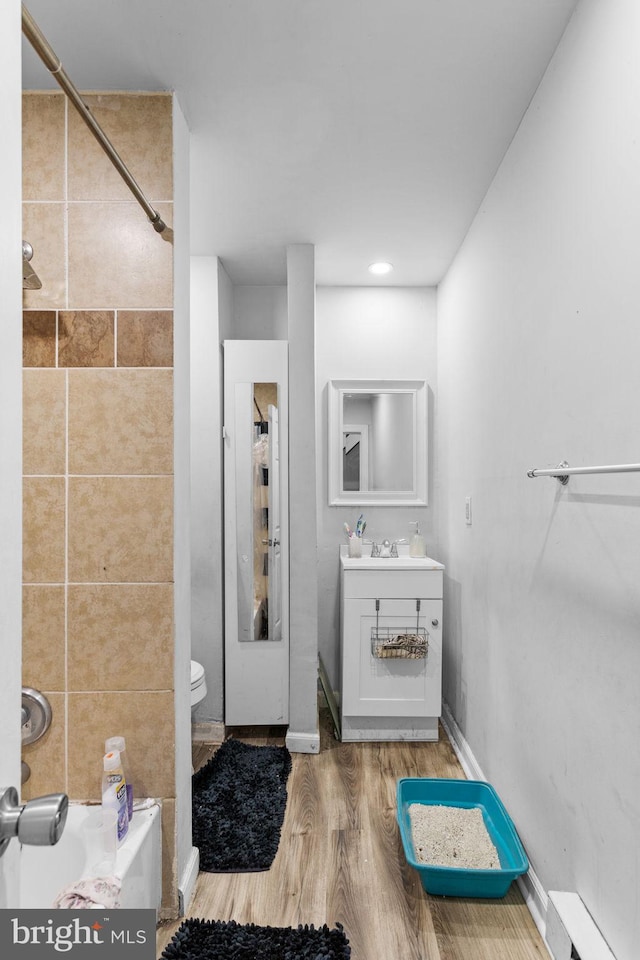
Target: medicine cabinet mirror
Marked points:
378	442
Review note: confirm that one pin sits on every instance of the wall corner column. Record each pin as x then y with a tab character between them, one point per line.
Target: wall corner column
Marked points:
303	735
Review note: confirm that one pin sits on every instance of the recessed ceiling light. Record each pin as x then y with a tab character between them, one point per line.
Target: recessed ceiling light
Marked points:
379	269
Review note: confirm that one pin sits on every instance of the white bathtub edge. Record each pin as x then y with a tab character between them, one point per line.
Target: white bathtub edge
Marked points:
46	871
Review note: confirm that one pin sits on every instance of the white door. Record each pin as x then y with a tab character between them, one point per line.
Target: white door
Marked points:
275	531
256	666
10	428
10	608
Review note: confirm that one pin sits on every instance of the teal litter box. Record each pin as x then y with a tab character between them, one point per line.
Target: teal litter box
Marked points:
459	881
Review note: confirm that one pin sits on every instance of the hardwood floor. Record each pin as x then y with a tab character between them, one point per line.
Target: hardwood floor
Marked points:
340	860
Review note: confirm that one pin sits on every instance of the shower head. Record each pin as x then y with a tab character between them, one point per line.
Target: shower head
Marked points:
30	279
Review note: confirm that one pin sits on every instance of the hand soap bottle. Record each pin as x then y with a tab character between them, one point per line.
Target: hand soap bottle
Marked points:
417	545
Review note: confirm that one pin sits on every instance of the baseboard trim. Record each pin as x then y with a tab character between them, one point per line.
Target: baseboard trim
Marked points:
532	890
207	731
303	742
187	884
460	746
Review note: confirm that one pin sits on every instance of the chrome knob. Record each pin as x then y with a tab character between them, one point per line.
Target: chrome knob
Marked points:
42	820
39	822
36	715
434	623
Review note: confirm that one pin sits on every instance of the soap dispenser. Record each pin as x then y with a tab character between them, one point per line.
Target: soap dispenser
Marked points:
417	545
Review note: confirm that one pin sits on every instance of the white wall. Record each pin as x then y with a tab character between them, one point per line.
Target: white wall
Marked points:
259	312
207	621
539	348
303	735
226	307
368	333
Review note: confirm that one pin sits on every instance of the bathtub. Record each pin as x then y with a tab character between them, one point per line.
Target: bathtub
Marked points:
45	871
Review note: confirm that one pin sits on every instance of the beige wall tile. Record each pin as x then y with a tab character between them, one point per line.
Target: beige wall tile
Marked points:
43	417
145	338
43	530
120	529
43	228
43	130
86	338
120	422
43	637
140	128
39	338
169	865
146	721
116	259
120	637
46	757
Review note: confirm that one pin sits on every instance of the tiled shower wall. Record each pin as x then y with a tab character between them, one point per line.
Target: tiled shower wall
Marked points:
98	633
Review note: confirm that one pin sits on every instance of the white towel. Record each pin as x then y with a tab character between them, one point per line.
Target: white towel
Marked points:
90	894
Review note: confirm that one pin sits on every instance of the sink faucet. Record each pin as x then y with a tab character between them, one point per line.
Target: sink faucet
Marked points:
39	821
386	548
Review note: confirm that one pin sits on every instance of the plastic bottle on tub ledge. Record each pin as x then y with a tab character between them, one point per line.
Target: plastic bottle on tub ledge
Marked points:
114	792
118	743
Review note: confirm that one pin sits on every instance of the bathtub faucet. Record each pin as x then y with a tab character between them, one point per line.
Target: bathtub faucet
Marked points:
39	822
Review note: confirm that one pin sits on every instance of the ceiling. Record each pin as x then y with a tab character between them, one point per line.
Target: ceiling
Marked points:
369	128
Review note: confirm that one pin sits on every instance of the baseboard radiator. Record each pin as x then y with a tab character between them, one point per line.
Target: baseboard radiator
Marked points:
571	932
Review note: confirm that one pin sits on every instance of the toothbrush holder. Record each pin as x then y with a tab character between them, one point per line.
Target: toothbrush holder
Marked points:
355	546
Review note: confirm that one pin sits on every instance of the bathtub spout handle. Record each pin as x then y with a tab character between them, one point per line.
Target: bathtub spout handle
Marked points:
40	821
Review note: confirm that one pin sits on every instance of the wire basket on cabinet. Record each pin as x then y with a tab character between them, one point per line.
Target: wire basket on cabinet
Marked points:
398	643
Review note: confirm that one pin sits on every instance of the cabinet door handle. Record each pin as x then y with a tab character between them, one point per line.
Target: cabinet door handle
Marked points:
434	623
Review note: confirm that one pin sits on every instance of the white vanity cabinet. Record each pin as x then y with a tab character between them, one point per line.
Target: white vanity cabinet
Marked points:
391	686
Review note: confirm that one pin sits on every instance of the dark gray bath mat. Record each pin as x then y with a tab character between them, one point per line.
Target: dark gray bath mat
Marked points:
217	940
239	801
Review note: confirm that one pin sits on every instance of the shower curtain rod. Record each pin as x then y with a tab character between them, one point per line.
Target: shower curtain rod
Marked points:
53	64
563	471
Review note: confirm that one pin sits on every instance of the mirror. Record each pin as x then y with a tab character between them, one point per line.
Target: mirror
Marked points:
378	442
267	619
259	528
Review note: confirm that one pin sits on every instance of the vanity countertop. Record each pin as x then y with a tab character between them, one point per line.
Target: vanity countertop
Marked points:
402	562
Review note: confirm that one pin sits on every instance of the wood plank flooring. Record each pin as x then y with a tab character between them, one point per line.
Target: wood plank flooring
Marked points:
340	860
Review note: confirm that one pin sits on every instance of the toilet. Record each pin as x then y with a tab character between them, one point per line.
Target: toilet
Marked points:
198	685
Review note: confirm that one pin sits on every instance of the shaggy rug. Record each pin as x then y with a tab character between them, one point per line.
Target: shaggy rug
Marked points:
218	940
239	800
